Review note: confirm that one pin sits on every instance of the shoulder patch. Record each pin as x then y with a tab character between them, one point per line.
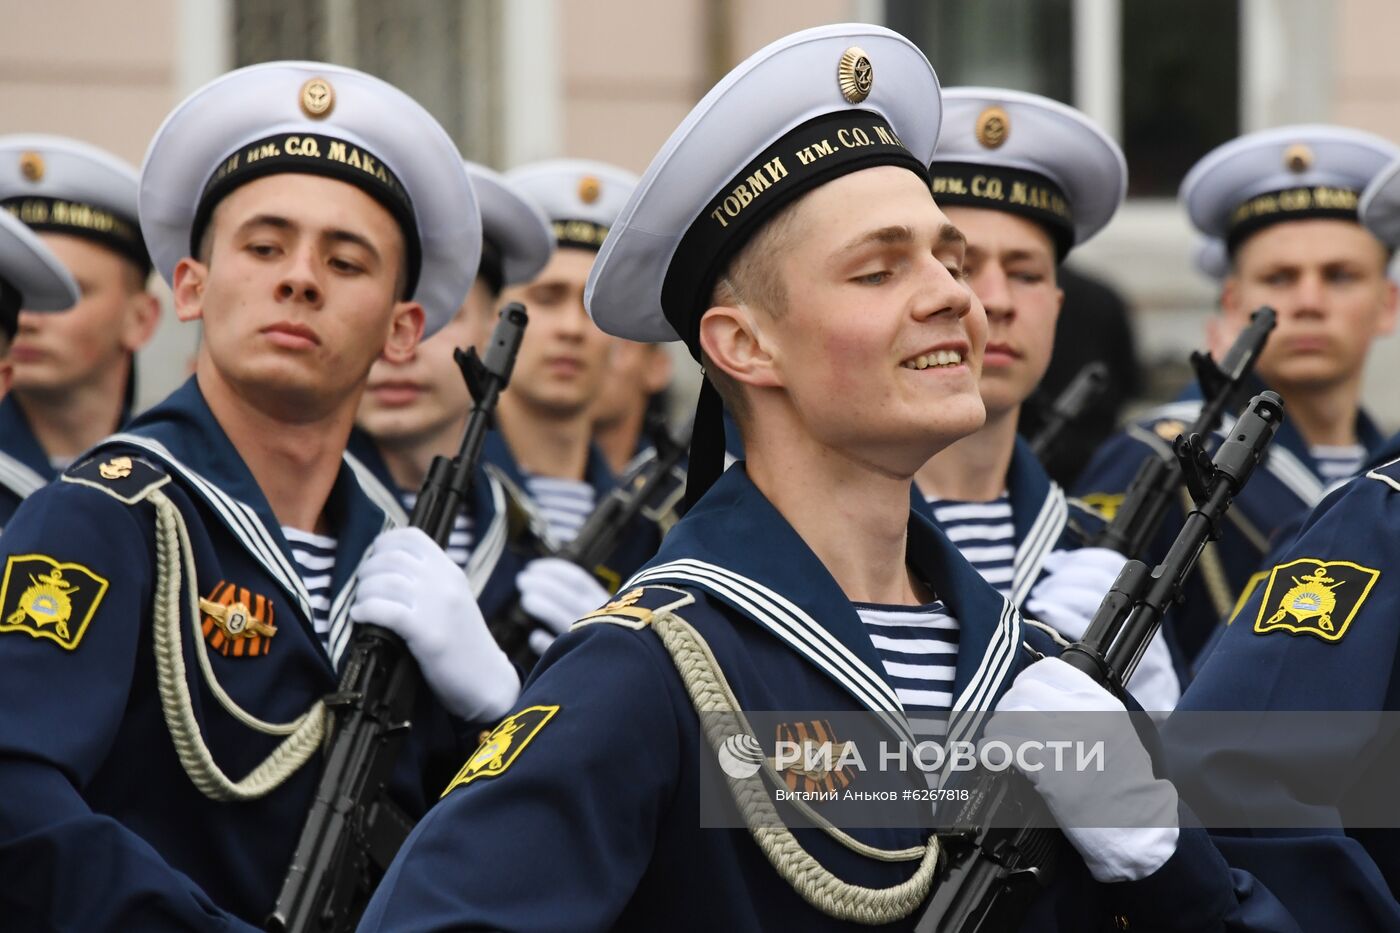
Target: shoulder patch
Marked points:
1103	504
635	607
503	745
1168	429
1310	596
121	476
47	598
1388	473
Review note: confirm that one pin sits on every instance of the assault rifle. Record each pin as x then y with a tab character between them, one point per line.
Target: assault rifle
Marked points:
999	856
354	829
598	538
1088	384
1138	518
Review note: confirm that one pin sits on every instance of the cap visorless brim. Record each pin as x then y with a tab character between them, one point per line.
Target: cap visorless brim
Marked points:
328	157
769	182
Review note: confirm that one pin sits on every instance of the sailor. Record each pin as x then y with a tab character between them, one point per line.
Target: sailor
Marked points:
1284	203
544	448
1026	179
786	233
30	277
1317	634
74	373
172	609
416	409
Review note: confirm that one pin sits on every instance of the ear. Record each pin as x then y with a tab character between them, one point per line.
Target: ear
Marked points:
1230	294
140	321
1386	322
656	375
190	278
405	331
731	339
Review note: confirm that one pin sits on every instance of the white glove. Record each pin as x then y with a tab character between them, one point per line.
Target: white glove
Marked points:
1074	585
409	585
1069	595
1078	799
558	593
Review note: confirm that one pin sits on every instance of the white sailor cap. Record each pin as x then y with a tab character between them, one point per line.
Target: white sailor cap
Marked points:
1288	173
60	185
1031	156
1210	258
800	112
31	277
1379	208
581	198
516	238
325	120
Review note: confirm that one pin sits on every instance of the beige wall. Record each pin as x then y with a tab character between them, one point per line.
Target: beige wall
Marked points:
101	71
629	70
632	69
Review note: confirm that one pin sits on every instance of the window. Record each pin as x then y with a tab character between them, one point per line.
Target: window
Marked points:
1021	44
1171	70
1180	88
443	53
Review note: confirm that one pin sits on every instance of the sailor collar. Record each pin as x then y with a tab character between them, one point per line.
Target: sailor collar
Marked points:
24	467
1288	458
737	548
182	434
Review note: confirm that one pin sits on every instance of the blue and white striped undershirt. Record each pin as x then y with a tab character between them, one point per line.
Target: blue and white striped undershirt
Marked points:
565	504
919	648
1336	462
459	541
985	534
315	560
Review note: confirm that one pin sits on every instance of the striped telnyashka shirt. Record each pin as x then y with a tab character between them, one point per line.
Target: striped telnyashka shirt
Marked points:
919	648
315	559
565	504
1337	462
459	541
984	533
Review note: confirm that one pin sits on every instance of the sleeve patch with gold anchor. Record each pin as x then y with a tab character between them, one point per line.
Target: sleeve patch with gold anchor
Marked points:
499	750
1315	597
1105	504
46	598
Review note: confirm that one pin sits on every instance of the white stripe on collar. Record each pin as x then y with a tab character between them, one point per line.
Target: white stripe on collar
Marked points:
239	517
492	543
1045	533
19	478
339	637
996	661
377	492
1294	474
1178	411
786	620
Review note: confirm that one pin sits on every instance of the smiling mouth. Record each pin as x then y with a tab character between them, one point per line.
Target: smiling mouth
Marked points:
935	359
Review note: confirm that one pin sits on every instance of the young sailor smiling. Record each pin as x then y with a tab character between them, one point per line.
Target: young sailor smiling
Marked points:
787	235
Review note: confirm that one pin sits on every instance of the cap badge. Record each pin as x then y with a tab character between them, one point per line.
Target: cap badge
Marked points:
1297	158
855	74
993	126
317	98
589	188
31	166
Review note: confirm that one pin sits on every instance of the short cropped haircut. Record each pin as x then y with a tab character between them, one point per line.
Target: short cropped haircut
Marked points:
752	279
